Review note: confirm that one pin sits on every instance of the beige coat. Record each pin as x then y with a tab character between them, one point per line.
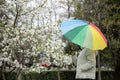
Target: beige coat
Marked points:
86	64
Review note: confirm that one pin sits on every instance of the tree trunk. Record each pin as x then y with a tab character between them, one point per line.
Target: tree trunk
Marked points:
58	74
3	76
117	71
3	71
19	74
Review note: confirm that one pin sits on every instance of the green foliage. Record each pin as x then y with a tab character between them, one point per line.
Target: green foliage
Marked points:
8	75
52	75
47	75
112	32
2	2
71	47
1	25
107	75
104	14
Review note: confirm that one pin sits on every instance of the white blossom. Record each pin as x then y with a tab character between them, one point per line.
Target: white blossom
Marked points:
37	30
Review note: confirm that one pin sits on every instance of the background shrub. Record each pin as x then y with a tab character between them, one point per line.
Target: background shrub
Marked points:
52	75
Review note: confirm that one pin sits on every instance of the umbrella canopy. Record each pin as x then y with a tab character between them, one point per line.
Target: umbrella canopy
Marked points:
84	34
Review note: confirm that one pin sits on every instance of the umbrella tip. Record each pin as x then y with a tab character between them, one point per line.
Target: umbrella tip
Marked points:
87	21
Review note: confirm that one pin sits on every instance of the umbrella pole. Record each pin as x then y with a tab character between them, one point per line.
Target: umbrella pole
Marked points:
99	70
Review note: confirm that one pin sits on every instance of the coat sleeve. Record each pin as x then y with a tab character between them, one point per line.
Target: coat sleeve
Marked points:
90	61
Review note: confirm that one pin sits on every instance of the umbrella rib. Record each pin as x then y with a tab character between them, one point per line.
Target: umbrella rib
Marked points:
79	38
84	34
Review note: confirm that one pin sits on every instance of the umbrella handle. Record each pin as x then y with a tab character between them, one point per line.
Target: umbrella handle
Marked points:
99	70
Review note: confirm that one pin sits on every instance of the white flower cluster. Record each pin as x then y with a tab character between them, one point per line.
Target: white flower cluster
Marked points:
28	42
37	31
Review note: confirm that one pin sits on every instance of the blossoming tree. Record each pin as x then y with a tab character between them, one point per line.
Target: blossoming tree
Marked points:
30	27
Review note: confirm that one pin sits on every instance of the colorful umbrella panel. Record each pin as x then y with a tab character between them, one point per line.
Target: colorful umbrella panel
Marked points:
84	34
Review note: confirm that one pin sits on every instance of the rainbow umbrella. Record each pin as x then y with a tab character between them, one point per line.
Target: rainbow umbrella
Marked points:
84	34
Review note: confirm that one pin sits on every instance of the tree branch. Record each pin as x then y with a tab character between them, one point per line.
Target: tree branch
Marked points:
34	9
16	17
